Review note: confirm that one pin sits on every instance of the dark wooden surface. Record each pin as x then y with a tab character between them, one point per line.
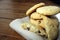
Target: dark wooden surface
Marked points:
13	9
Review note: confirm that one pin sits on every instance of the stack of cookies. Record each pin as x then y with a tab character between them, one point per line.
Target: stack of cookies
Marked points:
42	20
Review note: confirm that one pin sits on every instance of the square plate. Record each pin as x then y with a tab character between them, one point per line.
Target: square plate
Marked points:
16	25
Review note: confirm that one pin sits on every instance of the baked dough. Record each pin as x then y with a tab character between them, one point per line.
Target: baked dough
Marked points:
42	21
35	15
32	9
50	25
33	28
48	10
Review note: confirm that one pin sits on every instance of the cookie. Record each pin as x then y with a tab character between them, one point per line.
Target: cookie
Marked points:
38	21
42	20
54	21
32	9
49	26
41	30
35	15
51	29
30	27
48	10
35	22
33	28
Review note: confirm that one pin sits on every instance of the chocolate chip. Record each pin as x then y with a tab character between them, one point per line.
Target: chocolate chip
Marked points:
44	36
49	16
35	19
39	31
41	19
43	28
28	28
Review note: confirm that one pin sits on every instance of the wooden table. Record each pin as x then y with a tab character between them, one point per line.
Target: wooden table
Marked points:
13	9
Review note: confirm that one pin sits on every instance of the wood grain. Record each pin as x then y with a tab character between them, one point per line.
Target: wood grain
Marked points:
13	9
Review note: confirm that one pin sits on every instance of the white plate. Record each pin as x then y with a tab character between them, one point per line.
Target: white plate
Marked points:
16	25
